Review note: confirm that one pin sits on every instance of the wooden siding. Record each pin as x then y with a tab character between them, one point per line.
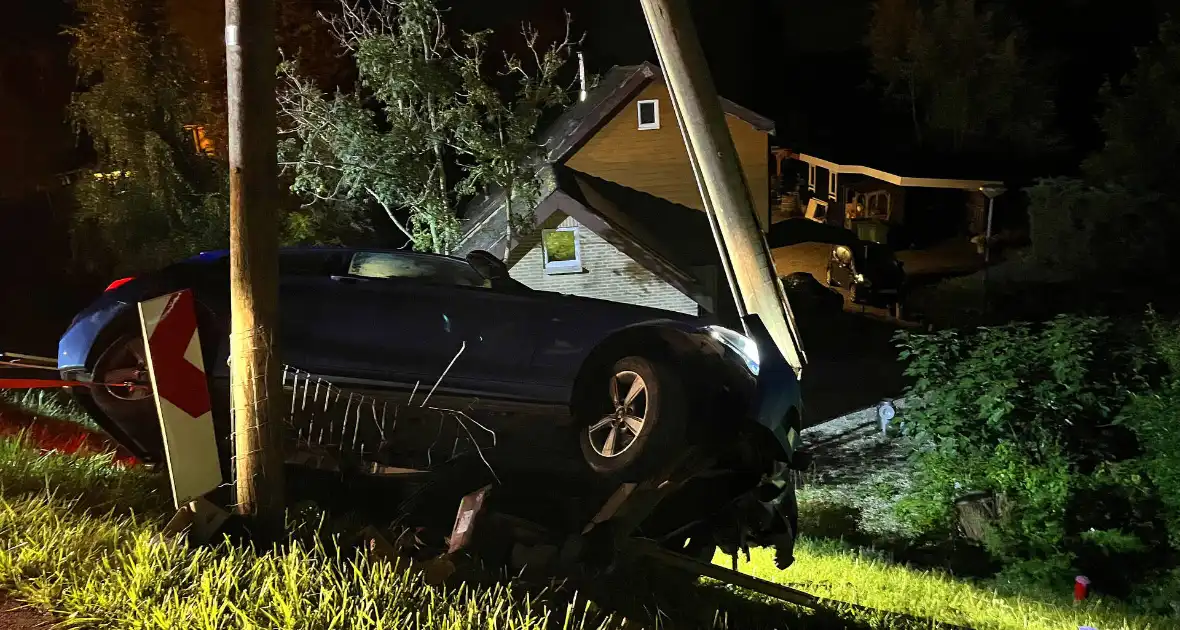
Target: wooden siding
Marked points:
655	161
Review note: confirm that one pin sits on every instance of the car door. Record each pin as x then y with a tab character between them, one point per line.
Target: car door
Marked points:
501	328
401	318
307	295
374	325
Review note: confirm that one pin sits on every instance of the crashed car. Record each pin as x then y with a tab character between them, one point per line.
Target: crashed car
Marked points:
618	390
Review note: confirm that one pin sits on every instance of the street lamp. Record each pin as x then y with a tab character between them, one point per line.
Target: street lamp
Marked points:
991	191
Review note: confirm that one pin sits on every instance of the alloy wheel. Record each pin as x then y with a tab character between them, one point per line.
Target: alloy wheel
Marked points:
617	432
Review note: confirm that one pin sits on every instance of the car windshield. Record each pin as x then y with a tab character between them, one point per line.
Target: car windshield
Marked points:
432	269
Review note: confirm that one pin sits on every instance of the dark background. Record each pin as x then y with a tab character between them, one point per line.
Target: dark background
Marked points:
801	63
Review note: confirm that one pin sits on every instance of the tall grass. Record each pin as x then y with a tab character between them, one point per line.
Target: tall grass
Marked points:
106	572
78	536
47	403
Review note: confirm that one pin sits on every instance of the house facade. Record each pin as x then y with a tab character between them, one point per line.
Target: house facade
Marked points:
606	272
926	209
620	216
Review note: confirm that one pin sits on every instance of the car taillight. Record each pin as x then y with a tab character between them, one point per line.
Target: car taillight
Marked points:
118	283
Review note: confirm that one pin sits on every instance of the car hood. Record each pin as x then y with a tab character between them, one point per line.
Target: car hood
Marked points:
622	312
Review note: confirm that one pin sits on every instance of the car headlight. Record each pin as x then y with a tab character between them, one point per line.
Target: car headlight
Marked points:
745	347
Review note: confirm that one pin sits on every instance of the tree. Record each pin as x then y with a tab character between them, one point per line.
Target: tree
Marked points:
961	75
1142	124
498	135
149	197
422	108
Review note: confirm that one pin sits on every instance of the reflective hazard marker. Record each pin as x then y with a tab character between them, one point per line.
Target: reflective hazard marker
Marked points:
177	370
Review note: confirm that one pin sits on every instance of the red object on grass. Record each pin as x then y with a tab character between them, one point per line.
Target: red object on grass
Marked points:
61	436
1081	588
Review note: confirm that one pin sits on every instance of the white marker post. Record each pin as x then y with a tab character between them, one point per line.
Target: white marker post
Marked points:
173	347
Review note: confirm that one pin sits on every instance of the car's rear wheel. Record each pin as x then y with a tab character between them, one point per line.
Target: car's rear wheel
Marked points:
635	420
124	396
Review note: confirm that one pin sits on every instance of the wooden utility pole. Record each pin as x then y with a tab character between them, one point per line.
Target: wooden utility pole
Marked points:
724	191
251	58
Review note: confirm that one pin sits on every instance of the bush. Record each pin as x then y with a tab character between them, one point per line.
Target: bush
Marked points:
1084	230
1047	420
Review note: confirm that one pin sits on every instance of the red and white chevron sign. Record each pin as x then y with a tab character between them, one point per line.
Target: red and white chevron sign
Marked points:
177	369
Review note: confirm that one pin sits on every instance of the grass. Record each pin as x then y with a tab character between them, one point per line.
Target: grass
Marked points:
831	570
46	403
77	537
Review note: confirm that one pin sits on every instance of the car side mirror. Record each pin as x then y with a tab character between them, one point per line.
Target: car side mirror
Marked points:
488	266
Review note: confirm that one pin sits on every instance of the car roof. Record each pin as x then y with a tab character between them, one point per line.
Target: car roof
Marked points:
329	249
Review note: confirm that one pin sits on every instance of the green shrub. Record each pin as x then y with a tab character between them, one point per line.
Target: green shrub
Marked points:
1047	419
1154	416
1086	230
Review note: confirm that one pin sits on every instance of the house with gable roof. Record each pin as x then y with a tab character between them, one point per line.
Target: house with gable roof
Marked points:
620	216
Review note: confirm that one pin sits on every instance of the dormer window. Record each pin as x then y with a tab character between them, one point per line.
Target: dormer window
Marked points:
649	114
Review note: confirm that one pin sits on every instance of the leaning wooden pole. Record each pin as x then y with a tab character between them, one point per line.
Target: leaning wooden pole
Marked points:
251	58
723	186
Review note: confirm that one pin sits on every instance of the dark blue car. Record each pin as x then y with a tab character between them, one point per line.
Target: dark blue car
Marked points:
638	383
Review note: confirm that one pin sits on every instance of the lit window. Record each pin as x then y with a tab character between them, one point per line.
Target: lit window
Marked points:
561	250
201	142
649	114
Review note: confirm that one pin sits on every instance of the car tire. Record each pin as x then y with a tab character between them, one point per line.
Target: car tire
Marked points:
132	412
615	404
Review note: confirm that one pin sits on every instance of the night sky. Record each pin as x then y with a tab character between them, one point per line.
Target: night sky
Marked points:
800	63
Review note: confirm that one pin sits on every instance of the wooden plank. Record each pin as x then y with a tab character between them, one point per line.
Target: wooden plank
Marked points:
651	551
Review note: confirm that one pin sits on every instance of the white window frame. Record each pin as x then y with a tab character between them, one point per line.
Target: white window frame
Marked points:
555	267
655	104
811	177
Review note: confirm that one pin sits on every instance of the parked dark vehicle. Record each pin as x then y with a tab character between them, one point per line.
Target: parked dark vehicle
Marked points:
638	383
869	271
809	295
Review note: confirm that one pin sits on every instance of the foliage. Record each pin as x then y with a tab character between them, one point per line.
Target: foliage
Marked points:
421	108
497	136
1089	230
149	197
960	74
1153	417
1032	415
1142	122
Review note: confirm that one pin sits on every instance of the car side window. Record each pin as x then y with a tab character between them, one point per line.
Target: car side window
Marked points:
429	269
313	263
